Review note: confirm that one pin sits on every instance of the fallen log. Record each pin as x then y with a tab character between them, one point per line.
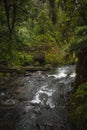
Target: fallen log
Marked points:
32	69
23	69
6	70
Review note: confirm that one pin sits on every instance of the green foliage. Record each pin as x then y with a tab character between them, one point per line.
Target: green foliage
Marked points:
43	25
44	40
48	66
78	102
5	75
36	63
45	49
80	42
22	58
81	31
40	30
51	58
8	75
6	53
1	75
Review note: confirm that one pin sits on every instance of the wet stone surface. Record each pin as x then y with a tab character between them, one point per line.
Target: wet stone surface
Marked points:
37	101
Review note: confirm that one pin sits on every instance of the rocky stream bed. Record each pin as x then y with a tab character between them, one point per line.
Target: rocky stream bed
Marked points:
37	100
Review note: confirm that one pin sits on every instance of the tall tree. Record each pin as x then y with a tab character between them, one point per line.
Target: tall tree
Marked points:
10	10
53	13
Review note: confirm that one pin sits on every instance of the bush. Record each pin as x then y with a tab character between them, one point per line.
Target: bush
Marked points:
36	63
48	66
1	75
51	58
78	102
80	42
22	58
45	50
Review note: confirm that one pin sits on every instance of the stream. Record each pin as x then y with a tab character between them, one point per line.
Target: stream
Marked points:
38	100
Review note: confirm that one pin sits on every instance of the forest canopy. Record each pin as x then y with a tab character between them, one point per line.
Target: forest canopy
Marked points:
40	31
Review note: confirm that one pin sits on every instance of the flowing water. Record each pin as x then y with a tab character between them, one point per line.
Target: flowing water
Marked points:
37	101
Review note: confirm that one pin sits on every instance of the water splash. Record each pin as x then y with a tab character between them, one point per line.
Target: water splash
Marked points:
63	72
43	96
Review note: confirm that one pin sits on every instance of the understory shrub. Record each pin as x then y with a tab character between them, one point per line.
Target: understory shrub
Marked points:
23	59
78	112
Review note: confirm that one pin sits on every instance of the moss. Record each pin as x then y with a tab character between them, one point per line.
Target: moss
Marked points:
1	75
48	66
78	103
36	63
8	75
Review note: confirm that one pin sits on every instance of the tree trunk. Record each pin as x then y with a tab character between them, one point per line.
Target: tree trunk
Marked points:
53	13
81	68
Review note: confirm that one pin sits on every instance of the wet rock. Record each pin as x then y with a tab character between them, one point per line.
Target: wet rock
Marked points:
40	101
10	102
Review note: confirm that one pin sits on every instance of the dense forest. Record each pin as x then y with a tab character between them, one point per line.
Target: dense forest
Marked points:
47	34
39	32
